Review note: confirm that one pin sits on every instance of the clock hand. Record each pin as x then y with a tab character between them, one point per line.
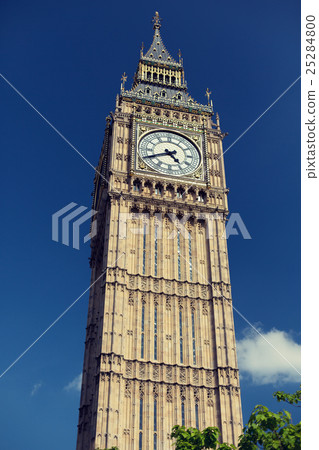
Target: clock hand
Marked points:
167	152
172	152
156	154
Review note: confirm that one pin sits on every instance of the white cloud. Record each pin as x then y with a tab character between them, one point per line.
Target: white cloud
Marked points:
262	363
75	384
35	388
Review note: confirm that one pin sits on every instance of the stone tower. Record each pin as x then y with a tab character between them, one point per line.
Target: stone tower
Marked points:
160	344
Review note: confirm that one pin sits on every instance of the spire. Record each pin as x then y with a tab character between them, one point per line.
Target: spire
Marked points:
157	51
160	78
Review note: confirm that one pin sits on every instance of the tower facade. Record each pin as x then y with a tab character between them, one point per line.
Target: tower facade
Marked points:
160	343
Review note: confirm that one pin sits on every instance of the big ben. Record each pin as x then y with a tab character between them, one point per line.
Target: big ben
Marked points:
160	342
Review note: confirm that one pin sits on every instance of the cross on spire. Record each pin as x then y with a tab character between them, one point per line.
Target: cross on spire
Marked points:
156	21
123	79
180	56
208	93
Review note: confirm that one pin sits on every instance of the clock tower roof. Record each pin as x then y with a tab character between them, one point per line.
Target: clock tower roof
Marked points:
157	51
160	78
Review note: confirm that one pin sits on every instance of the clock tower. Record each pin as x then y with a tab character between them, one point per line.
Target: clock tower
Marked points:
160	343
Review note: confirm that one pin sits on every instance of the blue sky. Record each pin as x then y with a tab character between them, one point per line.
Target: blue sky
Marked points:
67	59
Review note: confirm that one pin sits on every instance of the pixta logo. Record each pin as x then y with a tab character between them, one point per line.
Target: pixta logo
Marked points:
140	223
65	216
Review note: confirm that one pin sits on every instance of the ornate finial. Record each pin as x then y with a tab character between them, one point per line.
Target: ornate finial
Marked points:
180	56
142	48
208	92
123	79
156	21
217	121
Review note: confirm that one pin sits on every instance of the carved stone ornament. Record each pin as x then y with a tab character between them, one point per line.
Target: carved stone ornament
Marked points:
127	392
210	395
156	372
204	290
142	370
197	173
182	393
209	378
155	390
131	299
128	369
196	395
192	289
142	389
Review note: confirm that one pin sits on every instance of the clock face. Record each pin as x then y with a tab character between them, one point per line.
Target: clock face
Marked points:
169	153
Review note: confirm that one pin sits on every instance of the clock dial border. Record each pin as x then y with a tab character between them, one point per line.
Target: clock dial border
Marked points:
143	132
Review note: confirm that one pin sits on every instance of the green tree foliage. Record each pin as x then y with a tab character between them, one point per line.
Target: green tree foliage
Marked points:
268	430
265	430
193	439
112	448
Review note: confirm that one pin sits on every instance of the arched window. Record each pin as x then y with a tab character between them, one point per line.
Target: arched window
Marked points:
155	253
173	80
154	76
166	79
158	189
148	75
144	249
155	332
181	336
179	253
201	196
142	331
155	424
137	186
140	438
192	194
193	338
160	77
183	413
196	416
180	193
190	256
170	189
